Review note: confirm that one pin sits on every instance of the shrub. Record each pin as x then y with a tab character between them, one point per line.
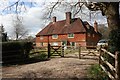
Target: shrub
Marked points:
114	44
40	56
43	56
12	51
96	73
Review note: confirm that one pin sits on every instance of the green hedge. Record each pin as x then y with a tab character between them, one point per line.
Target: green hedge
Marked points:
15	51
114	43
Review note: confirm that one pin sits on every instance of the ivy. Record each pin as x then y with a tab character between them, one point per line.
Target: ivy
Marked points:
114	42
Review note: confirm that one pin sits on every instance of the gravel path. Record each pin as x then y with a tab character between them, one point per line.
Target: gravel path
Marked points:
57	67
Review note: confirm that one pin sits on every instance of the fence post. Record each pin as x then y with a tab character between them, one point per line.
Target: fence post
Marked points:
62	51
100	54
79	51
48	50
117	65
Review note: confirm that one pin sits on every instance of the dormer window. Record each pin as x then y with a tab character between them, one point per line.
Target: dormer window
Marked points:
55	36
71	35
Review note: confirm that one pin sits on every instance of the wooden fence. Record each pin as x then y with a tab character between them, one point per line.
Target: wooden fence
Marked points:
112	70
89	50
62	50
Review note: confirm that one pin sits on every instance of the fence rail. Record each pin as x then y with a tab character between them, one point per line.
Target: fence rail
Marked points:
55	49
113	72
90	50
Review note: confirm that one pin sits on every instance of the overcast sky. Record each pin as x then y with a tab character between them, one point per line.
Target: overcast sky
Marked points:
33	15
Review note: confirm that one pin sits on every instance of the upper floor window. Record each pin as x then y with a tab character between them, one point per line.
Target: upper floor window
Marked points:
55	36
41	37
89	34
70	35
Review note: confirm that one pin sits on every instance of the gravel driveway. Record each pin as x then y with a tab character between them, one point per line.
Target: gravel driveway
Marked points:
57	67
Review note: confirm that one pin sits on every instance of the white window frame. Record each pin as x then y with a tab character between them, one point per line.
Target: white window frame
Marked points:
71	36
41	37
53	36
55	44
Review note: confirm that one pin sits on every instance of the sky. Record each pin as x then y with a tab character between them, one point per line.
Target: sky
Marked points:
33	15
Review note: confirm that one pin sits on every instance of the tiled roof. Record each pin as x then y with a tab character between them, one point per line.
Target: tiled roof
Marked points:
60	27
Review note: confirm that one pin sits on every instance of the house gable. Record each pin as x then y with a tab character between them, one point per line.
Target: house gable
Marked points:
60	27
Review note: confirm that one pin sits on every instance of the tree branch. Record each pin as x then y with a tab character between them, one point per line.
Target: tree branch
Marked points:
52	8
80	8
16	3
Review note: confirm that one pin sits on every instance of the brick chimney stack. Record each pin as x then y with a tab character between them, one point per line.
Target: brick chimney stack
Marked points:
96	26
68	18
54	19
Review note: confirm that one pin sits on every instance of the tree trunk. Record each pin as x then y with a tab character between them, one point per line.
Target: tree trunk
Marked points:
112	14
16	36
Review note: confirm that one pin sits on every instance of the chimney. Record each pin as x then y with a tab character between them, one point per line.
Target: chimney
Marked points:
95	26
54	19
68	18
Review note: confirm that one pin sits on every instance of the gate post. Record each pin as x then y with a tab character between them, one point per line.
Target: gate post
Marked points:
48	50
62	51
117	65
79	51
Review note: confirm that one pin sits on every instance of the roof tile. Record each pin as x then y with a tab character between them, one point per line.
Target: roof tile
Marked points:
60	27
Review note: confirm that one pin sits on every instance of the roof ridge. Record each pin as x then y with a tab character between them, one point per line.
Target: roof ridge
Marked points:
59	27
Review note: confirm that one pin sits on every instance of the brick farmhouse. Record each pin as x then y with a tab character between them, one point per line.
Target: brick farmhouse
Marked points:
68	32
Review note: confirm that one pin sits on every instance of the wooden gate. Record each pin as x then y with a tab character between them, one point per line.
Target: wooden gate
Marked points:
52	50
90	50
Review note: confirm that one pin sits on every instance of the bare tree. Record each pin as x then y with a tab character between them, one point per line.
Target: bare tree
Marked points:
17	6
104	31
108	9
19	29
60	5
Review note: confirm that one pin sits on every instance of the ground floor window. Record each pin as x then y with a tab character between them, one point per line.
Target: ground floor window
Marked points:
55	44
72	43
64	43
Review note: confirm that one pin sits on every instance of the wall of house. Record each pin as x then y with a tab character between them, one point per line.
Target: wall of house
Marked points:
92	39
78	39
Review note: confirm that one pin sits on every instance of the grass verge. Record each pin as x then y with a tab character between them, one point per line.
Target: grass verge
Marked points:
96	73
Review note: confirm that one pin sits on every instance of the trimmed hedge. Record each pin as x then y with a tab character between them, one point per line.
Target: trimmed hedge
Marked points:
15	51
